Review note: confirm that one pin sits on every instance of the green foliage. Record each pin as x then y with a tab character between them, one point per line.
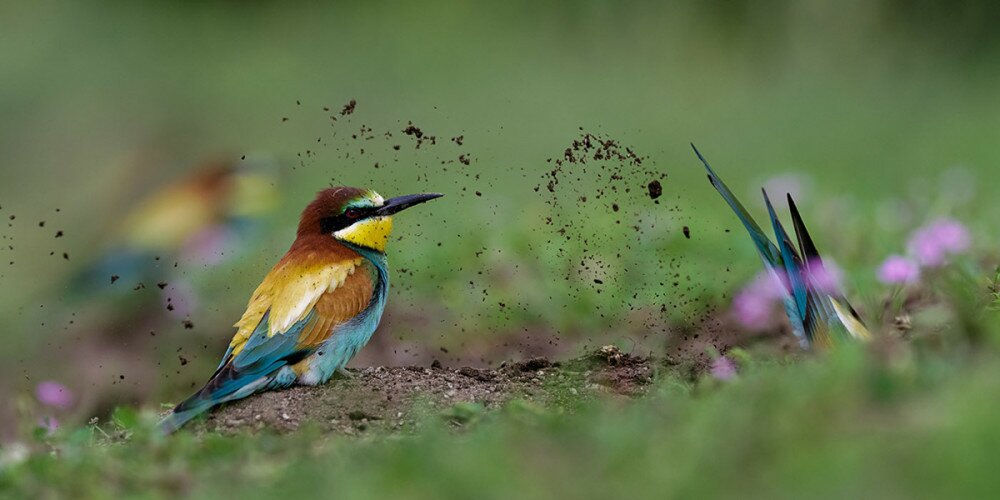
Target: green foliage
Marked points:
858	422
870	116
994	289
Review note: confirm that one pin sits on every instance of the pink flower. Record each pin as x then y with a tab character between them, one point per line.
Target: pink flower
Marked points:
825	276
899	270
54	394
50	424
753	305
723	369
932	244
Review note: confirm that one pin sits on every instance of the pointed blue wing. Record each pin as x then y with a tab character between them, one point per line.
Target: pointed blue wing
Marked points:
775	260
768	252
793	264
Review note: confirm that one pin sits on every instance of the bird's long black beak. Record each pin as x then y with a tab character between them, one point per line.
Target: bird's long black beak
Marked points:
400	203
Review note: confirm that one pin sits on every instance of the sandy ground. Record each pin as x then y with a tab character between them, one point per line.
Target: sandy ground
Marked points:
381	398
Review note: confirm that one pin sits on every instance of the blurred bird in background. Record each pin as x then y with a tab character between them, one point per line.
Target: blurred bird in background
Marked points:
197	219
316	308
818	310
140	284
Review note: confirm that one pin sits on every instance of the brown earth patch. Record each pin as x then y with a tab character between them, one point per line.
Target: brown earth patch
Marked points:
394	398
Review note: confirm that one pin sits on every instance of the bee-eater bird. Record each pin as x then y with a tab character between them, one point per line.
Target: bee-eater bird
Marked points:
316	308
819	312
193	219
139	282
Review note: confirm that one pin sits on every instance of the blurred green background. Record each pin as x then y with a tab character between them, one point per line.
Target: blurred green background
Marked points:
884	113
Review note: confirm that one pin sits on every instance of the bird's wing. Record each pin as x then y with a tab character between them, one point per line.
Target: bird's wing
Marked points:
288	293
348	294
793	265
768	252
311	300
300	297
166	220
773	259
813	311
835	306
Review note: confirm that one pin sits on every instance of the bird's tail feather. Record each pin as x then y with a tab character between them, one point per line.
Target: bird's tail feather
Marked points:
222	387
768	252
812	309
228	384
176	419
792	261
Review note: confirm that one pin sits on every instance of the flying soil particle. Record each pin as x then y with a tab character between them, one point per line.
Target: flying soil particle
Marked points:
188	324
349	108
413	130
114	278
655	189
687	232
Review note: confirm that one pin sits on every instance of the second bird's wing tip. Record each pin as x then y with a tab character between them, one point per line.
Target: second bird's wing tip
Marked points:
767	200
712	177
698	153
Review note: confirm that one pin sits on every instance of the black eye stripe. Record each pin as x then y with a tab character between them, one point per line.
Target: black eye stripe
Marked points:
338	222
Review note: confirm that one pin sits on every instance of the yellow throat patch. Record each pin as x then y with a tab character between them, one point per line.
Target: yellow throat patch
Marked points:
369	233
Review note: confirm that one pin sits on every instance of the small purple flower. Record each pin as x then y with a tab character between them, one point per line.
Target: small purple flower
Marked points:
723	369
50	424
54	394
932	244
825	276
753	305
899	270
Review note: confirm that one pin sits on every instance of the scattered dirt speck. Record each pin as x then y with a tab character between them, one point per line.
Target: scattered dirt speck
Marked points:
348	108
655	189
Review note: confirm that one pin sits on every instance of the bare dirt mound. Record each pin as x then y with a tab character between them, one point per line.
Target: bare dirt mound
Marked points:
391	398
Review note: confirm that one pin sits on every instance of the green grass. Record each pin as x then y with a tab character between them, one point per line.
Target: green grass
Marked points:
898	420
888	115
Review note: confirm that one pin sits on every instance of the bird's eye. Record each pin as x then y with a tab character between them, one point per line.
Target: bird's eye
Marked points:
352	213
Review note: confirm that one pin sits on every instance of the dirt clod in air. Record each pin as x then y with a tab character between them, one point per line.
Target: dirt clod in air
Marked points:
349	108
655	189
